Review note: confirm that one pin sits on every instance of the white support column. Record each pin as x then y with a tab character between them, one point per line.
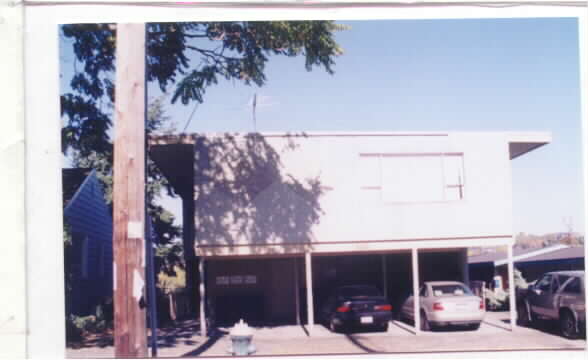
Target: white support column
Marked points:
309	299
465	271
296	291
384	276
511	290
415	291
202	297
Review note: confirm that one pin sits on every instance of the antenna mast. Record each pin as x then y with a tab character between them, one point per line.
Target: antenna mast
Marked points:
254	105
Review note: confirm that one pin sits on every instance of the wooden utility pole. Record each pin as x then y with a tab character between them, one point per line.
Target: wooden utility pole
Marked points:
130	330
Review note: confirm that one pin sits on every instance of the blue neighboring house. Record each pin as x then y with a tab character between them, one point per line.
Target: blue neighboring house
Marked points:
88	219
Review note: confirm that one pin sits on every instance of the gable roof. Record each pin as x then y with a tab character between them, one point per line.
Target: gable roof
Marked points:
72	180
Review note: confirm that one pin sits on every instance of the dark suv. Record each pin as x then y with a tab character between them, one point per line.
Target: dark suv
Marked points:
558	296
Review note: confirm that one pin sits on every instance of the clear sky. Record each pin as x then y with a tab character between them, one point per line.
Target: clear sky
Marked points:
434	75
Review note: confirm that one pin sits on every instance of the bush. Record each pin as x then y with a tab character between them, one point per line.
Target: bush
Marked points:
72	332
76	326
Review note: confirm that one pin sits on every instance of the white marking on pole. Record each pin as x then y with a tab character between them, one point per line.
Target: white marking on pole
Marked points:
135	229
138	284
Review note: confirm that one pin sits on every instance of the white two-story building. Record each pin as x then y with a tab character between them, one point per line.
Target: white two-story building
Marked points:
279	220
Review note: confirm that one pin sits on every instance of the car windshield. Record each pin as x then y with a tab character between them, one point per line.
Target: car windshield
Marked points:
450	290
356	291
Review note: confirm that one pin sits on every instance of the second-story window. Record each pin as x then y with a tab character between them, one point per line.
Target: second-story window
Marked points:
412	178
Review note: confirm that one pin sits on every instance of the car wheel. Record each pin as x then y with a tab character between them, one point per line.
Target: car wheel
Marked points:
474	327
341	328
332	326
384	327
425	325
567	325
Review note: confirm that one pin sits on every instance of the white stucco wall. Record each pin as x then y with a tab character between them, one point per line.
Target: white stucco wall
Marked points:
356	219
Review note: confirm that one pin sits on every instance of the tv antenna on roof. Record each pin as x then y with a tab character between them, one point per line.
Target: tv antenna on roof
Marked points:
253	106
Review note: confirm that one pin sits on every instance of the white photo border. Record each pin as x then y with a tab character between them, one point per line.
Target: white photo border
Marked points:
45	295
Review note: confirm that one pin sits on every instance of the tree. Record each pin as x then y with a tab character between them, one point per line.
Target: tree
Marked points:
184	59
162	220
192	56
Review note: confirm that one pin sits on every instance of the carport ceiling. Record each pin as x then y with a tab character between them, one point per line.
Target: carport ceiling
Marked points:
176	162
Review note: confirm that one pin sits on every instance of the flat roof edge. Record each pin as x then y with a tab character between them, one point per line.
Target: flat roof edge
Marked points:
190	138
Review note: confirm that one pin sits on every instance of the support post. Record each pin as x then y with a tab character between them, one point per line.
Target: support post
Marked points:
130	323
296	291
188	248
384	276
309	298
202	297
511	290
465	272
415	291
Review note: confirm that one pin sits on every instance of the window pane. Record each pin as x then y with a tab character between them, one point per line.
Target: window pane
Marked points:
573	286
412	178
451	290
545	283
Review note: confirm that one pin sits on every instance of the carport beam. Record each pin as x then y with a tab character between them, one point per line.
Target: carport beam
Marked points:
415	291
202	297
309	299
511	290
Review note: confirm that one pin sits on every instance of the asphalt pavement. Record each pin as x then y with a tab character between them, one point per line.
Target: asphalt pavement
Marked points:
493	335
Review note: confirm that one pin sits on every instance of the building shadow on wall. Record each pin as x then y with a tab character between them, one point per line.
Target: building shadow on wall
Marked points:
243	195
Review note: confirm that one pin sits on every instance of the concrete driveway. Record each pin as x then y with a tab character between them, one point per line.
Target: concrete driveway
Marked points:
493	335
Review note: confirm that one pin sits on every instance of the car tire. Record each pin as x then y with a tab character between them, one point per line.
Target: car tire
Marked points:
337	328
568	325
474	327
334	327
425	324
383	327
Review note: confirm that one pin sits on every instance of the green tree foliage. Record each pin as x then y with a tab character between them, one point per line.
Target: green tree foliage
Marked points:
184	59
162	220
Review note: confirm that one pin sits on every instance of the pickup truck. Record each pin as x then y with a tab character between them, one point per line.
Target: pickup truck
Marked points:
556	296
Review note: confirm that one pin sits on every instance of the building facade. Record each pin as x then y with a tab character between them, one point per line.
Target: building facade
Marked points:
279	219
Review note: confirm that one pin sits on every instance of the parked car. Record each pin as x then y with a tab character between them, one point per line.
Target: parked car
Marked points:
445	303
356	306
555	296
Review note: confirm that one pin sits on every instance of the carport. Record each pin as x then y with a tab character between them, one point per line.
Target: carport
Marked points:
304	280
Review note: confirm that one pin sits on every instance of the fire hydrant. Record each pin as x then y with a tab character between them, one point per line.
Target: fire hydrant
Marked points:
241	336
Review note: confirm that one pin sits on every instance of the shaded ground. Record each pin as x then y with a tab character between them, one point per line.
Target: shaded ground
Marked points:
494	335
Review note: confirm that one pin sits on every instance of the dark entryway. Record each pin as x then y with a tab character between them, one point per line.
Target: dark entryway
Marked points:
247	306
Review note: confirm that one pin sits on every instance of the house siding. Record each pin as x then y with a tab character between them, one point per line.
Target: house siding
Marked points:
89	217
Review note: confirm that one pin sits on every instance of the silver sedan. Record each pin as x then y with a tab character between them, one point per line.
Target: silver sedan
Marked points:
444	303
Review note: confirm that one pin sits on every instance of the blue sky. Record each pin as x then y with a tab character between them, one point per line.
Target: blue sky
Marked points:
433	75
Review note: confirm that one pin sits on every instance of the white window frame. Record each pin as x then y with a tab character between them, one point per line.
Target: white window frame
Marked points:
442	155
